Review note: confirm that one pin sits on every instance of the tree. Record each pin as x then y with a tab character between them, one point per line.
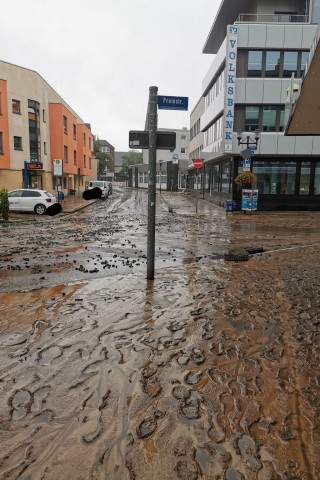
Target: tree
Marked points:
4	204
133	157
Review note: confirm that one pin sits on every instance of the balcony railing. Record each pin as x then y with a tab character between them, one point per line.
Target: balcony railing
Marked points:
271	18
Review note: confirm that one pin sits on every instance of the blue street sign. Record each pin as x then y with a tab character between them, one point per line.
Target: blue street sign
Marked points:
172	103
253	147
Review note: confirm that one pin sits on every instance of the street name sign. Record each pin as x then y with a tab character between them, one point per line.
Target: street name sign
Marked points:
140	139
172	103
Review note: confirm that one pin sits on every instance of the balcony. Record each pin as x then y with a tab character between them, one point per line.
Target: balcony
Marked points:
272	18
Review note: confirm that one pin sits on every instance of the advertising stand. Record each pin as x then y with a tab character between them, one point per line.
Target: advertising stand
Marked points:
249	201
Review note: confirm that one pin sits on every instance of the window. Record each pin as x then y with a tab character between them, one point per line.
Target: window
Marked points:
304	188
216	178
316	11
84	139
290	64
1	145
65	124
0	104
90	143
30	193
317	179
34	130
65	154
74	157
45	148
269	118
272	64
304	59
226	177
74	131
183	137
16	106
251	118
183	150
90	162
275	178
17	143
43	115
84	161
254	63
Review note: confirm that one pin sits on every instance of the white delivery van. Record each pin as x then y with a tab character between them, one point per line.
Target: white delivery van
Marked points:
102	185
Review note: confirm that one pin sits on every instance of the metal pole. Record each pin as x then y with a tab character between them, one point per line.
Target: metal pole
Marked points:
203	180
153	125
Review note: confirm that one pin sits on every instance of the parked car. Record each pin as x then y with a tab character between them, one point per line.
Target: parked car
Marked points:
30	200
100	184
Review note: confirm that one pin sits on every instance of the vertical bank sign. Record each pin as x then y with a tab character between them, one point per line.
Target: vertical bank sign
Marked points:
231	67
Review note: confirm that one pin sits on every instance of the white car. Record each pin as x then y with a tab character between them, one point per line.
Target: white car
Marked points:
102	185
30	200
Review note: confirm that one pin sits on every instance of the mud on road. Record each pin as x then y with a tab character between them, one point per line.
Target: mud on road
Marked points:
209	372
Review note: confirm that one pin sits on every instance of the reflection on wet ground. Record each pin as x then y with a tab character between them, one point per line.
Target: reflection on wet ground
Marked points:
209	372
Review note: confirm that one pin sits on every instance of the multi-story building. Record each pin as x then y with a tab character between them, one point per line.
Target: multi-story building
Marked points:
106	147
37	127
260	48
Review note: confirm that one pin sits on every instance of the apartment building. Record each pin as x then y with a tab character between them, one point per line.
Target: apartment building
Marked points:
260	47
37	127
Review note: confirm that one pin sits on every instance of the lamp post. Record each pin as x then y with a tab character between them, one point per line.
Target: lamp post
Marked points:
160	164
247	140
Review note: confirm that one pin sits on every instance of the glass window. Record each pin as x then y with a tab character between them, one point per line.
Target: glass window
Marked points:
304	188
74	157
290	64
269	116
30	193
16	106
216	178
316	11
272	64
1	147
281	118
225	177
254	63
15	193
74	131
304	59
17	142
275	178
317	180
65	154
251	118
65	124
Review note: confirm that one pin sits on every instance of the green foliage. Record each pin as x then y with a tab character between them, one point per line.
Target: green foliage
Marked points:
4	204
133	157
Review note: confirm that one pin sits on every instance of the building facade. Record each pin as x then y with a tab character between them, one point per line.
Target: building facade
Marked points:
37	127
259	47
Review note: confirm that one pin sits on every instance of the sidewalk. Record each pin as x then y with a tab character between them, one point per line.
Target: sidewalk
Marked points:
73	203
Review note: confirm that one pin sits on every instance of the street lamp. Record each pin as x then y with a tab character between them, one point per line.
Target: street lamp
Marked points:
160	164
248	140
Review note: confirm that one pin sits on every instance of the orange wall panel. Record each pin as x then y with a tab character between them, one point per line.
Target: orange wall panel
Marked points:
84	148
4	126
60	138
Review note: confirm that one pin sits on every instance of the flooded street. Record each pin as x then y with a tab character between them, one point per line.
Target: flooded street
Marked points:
209	372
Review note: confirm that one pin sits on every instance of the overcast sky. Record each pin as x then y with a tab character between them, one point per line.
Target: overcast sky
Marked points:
102	56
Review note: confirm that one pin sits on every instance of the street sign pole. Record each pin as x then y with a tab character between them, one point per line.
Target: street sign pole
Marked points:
153	124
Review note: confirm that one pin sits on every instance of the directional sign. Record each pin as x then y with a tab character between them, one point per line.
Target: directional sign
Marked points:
140	139
197	162
172	103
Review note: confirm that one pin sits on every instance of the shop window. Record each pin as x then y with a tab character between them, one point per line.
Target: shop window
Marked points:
254	63
275	178
16	106
304	188
226	177
17	142
317	179
216	178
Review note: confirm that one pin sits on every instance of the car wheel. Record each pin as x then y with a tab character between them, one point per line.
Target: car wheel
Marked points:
40	209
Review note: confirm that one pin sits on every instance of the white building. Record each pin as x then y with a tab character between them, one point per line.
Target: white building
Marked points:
258	45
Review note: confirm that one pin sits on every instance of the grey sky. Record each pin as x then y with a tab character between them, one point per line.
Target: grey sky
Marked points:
101	56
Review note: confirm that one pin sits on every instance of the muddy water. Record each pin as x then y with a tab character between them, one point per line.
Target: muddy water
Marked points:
209	372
